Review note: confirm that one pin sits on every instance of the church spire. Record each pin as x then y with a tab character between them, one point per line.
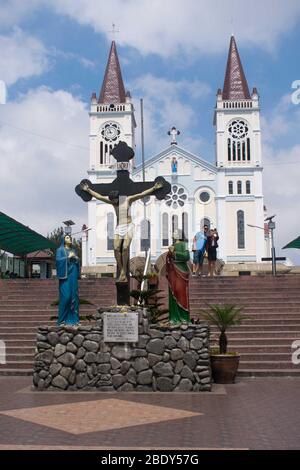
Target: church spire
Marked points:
112	91
235	84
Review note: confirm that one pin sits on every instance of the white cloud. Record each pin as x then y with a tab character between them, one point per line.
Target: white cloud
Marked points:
22	56
38	174
167	103
282	194
14	12
170	27
281	160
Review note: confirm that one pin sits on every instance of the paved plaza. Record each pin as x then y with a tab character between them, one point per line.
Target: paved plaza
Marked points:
260	413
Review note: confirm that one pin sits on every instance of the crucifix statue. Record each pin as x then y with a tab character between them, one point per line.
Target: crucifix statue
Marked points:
121	193
173	132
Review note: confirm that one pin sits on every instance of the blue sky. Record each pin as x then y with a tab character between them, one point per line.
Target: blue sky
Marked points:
173	54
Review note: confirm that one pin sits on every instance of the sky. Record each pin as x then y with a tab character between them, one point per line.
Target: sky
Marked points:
173	55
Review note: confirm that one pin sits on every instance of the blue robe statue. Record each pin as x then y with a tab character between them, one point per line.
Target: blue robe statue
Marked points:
67	271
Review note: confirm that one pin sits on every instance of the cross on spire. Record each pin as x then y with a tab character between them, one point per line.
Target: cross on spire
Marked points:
173	132
114	31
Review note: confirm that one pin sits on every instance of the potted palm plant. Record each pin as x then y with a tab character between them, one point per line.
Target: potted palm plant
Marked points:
224	364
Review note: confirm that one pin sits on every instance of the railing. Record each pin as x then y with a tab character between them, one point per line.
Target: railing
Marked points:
240	104
111	108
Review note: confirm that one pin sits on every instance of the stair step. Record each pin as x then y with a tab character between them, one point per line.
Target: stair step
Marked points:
15	372
268	372
17	365
268	365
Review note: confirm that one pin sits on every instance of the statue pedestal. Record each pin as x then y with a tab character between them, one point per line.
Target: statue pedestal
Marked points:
123	289
165	358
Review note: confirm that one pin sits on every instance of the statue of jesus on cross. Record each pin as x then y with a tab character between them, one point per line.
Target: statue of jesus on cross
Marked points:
124	229
121	193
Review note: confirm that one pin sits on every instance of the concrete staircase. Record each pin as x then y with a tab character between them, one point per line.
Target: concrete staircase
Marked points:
264	339
26	304
272	308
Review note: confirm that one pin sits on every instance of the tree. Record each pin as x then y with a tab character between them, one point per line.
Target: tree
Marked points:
55	237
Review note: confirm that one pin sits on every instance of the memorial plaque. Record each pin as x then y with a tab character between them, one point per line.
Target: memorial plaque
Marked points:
121	327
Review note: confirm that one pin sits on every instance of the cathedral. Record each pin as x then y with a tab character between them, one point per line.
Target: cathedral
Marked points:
227	195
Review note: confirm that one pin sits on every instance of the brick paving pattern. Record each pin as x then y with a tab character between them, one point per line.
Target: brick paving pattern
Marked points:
258	413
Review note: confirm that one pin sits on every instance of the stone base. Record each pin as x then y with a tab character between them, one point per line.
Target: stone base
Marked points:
165	359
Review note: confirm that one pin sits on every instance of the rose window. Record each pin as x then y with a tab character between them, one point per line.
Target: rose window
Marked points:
176	198
238	129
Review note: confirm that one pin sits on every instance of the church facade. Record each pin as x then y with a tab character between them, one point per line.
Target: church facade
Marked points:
227	195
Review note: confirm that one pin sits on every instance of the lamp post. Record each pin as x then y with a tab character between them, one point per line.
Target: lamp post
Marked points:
68	226
271	227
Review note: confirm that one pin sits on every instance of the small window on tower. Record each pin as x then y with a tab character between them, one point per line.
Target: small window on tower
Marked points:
248	187
230	187
239	187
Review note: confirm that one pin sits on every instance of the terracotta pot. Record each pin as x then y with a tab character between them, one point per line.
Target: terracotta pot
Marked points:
224	367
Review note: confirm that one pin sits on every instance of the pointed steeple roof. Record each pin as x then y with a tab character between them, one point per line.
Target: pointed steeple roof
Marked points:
235	84
112	91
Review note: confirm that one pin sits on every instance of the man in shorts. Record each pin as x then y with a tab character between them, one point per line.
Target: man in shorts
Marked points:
199	248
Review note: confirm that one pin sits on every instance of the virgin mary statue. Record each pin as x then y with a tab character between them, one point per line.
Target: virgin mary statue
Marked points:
178	280
67	271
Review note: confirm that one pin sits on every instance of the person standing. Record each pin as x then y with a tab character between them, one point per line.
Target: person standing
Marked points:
199	248
212	245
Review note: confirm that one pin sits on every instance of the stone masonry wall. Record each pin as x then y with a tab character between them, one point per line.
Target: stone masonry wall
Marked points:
165	359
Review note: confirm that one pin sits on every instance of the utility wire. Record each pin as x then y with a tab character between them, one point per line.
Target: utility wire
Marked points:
43	136
86	148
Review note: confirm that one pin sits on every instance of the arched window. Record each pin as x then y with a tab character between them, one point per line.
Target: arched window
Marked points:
238	143
101	153
205	221
248	150
248	187
110	231
241	229
239	187
165	229
229	149
145	235
185	226
230	187
174	223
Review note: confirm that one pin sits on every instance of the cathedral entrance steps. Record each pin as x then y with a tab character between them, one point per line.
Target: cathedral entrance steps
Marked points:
272	308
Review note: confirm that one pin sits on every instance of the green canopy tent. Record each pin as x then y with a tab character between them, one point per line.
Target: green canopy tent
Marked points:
293	244
17	239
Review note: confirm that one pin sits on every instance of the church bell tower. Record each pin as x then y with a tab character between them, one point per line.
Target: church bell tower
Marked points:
239	163
111	116
111	121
